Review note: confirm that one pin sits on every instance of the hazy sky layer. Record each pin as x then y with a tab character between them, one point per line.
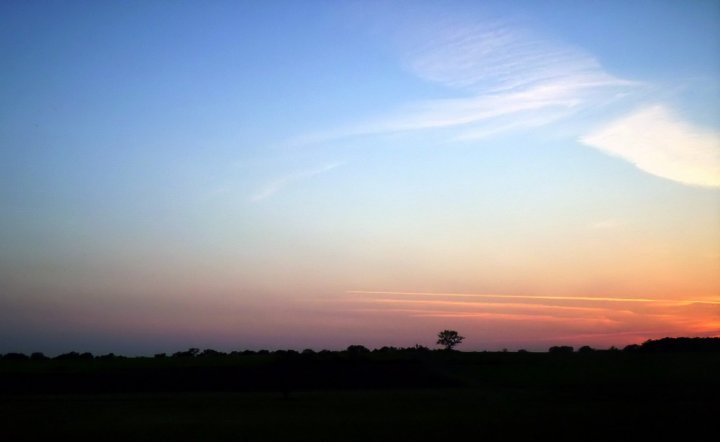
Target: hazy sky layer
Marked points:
318	174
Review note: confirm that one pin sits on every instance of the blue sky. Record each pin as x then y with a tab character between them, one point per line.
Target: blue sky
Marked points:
268	159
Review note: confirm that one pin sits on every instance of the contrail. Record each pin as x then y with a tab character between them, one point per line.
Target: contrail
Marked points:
555	298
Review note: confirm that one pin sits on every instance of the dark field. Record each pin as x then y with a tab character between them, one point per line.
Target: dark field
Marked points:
395	396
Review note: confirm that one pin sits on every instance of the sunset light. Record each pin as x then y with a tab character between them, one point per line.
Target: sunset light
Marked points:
312	175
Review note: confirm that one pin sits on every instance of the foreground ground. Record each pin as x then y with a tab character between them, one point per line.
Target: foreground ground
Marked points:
483	414
490	397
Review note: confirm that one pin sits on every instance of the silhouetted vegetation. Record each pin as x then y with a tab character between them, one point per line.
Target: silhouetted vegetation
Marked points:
666	345
15	357
670	384
210	353
560	349
449	339
190	353
355	367
73	355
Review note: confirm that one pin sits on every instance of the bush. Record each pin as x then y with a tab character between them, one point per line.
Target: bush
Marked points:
561	349
15	357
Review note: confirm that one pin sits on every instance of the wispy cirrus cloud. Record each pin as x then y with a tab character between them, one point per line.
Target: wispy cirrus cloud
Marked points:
503	78
281	183
659	142
499	57
518	80
508	79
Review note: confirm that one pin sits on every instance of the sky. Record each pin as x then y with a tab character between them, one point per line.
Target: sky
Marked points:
244	175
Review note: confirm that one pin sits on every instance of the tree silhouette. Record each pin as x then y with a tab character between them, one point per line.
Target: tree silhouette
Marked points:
561	349
449	339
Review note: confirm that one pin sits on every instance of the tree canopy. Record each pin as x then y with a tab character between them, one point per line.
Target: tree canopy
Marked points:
449	339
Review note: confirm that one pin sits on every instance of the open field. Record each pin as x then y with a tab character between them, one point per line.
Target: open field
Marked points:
496	396
484	413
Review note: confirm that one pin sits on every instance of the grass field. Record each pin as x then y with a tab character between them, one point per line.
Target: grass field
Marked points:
482	414
498	396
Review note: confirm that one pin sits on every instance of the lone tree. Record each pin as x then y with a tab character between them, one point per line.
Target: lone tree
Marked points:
449	338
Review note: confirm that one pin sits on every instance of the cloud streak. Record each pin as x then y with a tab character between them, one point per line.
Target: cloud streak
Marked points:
594	320
281	183
509	79
538	297
504	78
497	57
658	142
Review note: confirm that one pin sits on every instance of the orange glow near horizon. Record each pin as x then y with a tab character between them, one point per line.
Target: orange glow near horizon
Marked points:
497	319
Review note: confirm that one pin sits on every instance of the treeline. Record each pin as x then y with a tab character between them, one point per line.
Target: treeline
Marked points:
664	345
210	370
352	351
674	345
357	367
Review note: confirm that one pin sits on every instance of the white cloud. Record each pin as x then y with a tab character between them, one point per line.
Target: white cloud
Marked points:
277	185
510	80
495	57
658	142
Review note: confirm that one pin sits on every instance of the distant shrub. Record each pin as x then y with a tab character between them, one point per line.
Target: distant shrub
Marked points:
210	353
357	350
681	345
38	356
15	357
73	355
190	353
586	349
68	356
109	356
561	349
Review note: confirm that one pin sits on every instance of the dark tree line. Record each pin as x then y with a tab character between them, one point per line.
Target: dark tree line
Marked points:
673	345
195	353
448	340
664	345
